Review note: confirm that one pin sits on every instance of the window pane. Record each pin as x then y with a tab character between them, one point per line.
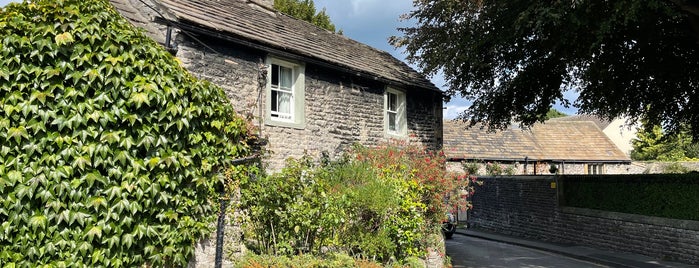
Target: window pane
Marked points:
392	102
285	77
392	122
284	102
275	95
275	75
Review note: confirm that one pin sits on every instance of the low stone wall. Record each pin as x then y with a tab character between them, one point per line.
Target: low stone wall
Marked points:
527	207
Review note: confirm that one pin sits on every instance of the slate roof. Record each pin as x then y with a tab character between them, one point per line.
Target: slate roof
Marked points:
252	25
601	123
570	141
140	14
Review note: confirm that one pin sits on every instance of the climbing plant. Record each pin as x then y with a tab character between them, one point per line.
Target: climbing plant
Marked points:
110	152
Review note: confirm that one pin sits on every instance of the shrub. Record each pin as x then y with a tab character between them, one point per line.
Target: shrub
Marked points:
471	168
661	195
675	168
376	203
110	150
493	169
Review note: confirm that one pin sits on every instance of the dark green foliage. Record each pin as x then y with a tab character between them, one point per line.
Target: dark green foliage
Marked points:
515	58
109	150
305	10
667	195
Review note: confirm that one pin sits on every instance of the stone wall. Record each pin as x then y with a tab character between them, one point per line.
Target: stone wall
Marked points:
542	168
527	206
340	109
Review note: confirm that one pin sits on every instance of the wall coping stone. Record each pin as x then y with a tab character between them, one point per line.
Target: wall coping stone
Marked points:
650	220
520	177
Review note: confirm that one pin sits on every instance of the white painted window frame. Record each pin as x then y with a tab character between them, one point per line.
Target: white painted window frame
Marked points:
296	118
401	121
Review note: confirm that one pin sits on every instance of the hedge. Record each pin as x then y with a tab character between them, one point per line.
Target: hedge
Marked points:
662	195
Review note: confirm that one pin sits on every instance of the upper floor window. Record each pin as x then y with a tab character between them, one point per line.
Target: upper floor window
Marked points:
285	93
395	113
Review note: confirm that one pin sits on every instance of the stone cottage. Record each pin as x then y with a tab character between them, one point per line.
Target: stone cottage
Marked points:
310	90
573	147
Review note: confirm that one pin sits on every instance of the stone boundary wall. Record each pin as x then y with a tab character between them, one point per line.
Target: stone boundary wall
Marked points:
527	207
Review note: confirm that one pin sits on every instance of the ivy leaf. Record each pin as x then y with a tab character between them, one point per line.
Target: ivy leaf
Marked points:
139	98
153	162
97	202
127	240
38	221
64	38
13	177
17	133
94	231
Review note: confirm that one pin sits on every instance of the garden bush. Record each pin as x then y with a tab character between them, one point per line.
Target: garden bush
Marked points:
110	152
375	203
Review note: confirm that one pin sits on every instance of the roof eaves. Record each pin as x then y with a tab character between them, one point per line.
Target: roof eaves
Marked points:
288	53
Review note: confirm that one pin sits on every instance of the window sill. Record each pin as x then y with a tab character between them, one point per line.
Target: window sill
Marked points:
295	125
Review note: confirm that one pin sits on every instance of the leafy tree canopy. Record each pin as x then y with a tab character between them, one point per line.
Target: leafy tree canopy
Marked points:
553	113
653	144
305	10
514	58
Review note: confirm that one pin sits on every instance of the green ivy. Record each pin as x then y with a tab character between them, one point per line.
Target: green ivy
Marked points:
110	152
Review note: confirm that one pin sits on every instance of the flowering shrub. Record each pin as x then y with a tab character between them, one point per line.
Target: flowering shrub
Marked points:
376	203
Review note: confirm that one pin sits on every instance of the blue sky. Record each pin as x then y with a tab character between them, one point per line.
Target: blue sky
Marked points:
372	22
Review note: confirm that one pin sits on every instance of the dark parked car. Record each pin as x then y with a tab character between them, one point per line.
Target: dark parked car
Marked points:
449	226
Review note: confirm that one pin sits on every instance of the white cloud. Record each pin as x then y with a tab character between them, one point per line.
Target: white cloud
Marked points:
452	111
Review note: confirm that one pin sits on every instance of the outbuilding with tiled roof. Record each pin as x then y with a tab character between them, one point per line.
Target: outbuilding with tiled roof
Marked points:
573	147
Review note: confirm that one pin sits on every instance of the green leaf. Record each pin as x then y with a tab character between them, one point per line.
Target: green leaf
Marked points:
38	221
97	202
95	231
64	38
127	240
84	247
17	133
139	98
14	176
153	162
81	162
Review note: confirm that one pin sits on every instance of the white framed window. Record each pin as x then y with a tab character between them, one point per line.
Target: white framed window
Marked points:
395	116
595	169
285	93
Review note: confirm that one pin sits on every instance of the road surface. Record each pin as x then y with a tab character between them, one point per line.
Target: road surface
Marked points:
466	251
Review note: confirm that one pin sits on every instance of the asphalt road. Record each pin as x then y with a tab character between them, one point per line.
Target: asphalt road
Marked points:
469	252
